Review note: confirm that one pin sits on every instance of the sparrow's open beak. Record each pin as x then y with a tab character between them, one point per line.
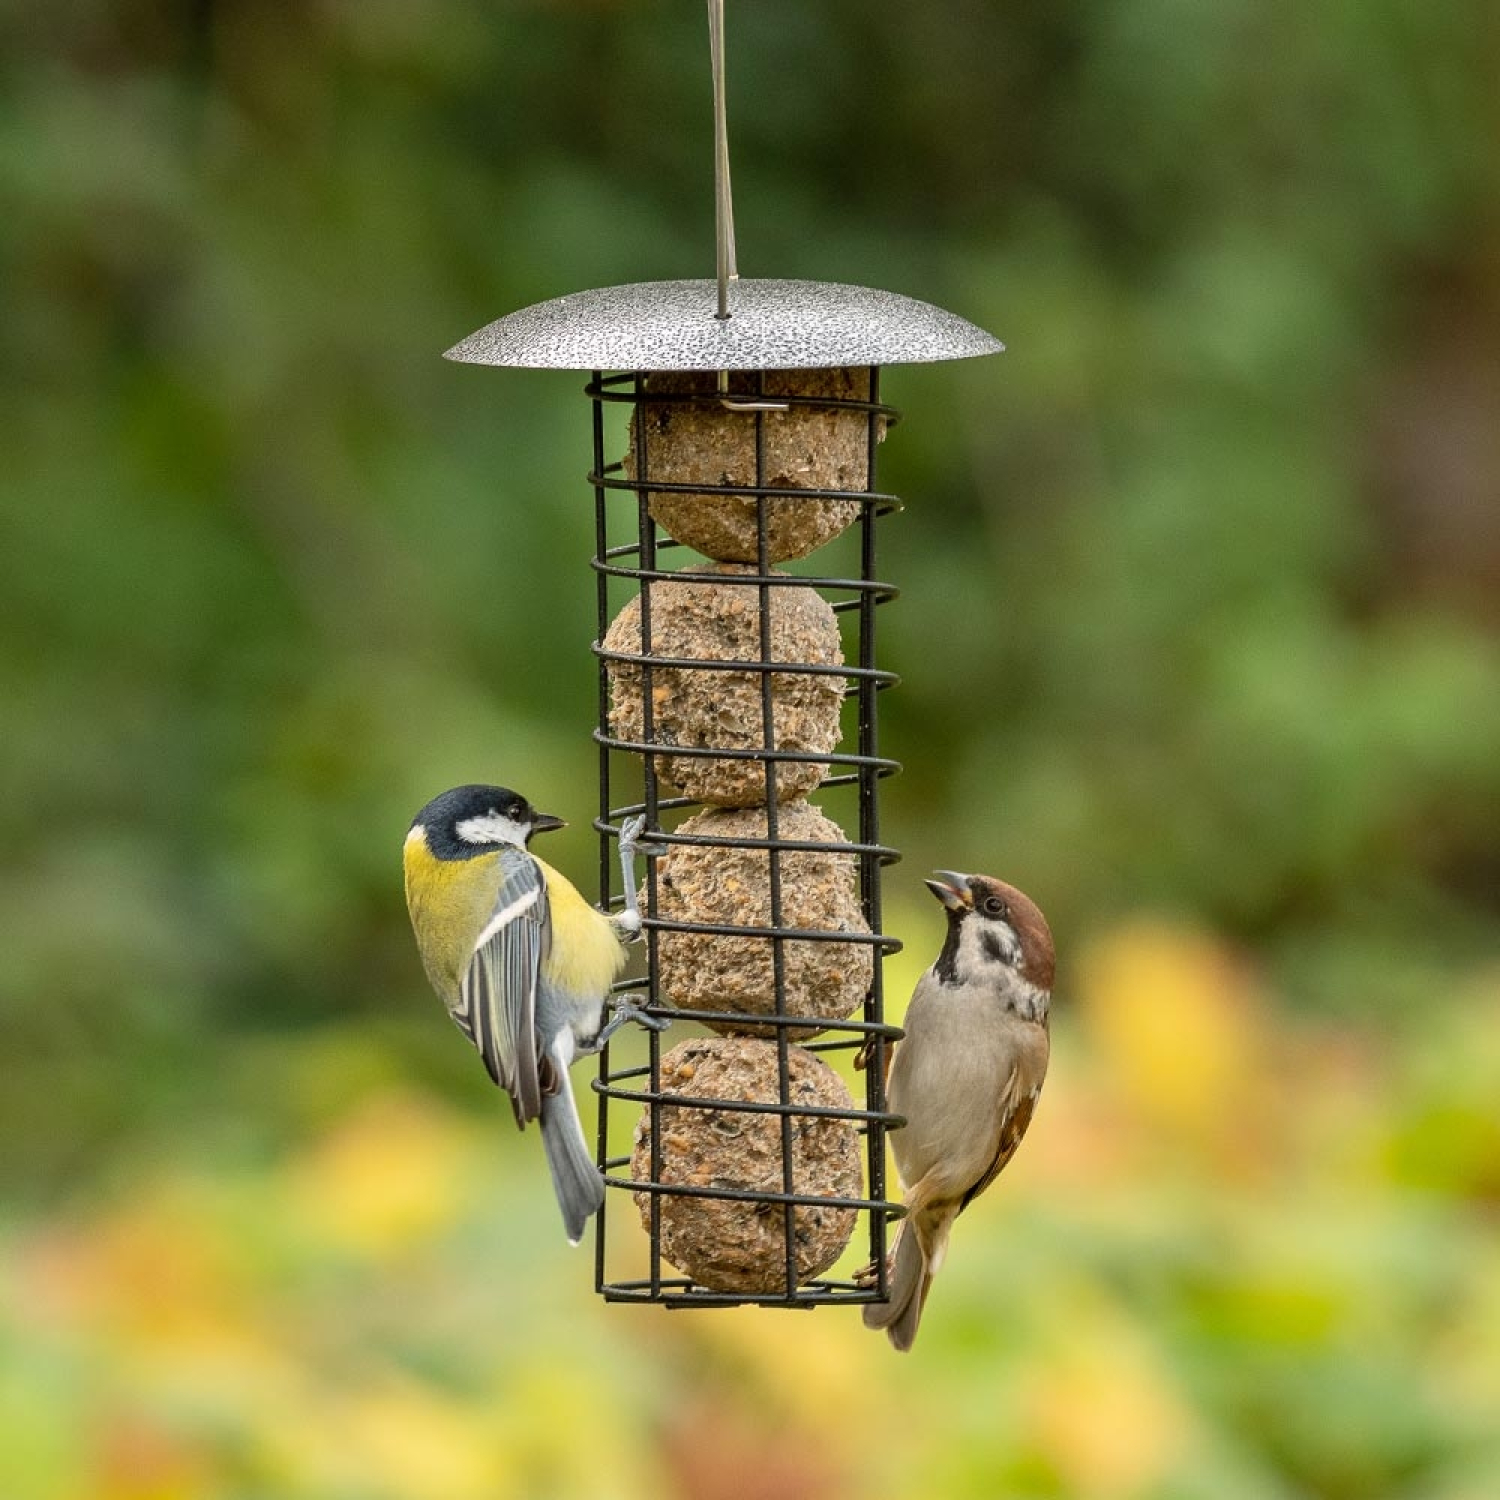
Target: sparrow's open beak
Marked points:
952	889
545	822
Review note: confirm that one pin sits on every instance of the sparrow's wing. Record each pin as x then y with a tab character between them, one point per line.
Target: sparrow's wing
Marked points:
497	994
1017	1104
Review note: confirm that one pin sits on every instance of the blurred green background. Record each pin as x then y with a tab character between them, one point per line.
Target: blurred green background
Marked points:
1200	635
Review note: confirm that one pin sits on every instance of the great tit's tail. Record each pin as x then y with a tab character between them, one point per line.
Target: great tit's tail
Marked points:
575	1178
909	1281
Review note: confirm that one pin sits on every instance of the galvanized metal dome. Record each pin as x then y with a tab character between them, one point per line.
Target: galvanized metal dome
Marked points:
773	325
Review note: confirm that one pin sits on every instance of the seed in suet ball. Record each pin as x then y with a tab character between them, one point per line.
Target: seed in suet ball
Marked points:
721	709
732	887
739	1245
804	448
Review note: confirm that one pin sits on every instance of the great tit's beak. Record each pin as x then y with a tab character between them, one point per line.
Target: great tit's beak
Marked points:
952	889
545	822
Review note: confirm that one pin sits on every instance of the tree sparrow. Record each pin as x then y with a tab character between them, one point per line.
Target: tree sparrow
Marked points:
966	1076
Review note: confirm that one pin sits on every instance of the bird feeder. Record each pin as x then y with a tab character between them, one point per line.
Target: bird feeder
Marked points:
738	697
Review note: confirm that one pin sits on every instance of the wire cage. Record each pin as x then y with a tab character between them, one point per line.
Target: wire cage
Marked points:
623	508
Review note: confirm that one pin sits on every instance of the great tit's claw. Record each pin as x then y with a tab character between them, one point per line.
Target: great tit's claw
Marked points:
868	1276
626	1011
630	840
630	1012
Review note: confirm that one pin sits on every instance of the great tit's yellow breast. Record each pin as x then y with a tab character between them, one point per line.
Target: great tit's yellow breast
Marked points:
586	955
449	900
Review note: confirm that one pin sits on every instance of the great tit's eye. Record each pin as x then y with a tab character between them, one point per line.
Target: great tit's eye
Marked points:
516	812
993	906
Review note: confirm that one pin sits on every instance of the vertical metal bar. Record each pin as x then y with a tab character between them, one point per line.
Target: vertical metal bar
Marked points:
601	547
869	834
646	559
773	855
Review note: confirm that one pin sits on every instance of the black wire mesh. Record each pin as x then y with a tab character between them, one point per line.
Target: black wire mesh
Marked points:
628	1088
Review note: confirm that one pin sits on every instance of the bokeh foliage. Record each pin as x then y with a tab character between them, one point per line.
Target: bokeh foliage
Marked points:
1199	636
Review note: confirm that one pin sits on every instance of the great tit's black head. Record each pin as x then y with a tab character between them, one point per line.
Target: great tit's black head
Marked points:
471	820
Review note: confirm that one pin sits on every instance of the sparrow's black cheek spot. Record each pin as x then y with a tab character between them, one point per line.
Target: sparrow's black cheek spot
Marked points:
994	949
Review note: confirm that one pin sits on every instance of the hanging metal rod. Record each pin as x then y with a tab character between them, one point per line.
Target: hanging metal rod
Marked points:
728	270
723	194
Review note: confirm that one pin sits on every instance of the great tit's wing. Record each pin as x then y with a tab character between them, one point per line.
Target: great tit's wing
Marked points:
497	994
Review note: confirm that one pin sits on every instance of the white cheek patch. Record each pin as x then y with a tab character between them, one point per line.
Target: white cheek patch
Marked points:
994	942
991	949
491	828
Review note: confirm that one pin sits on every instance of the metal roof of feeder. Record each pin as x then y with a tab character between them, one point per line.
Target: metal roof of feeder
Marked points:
772	325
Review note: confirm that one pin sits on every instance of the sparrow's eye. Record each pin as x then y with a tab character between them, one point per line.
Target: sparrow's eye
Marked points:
993	906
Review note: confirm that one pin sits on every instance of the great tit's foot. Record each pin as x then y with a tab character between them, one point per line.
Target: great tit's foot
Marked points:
868	1276
628	920
626	1011
630	840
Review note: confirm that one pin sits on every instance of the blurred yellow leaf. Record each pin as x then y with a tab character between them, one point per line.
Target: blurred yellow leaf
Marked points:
137	1459
1100	1412
1443	1135
388	1436
568	1433
1180	1027
388	1175
160	1273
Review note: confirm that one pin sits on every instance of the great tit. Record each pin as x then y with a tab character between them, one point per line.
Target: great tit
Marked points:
967	1076
524	964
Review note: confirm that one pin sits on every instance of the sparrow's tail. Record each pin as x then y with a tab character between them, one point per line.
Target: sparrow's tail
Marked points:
575	1178
909	1281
